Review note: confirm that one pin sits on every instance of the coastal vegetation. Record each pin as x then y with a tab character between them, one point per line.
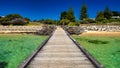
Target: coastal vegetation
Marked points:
106	16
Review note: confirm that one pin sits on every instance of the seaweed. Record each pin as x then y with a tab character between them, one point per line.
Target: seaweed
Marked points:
98	42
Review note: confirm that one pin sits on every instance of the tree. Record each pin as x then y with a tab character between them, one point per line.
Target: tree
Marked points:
107	13
83	12
70	15
63	15
100	16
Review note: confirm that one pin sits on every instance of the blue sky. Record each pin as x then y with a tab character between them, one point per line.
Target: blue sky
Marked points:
42	9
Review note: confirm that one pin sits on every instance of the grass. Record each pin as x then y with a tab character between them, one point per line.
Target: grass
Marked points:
15	48
106	49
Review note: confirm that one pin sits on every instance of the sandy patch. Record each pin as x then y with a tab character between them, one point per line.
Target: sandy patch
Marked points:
100	33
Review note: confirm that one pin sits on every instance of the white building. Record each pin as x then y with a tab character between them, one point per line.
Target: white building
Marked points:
115	17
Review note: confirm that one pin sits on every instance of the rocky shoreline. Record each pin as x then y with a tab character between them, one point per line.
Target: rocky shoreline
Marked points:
102	28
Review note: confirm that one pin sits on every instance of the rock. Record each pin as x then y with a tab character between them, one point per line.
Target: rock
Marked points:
74	30
46	30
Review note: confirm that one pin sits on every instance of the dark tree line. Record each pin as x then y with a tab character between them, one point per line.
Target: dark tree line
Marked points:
47	21
66	18
105	16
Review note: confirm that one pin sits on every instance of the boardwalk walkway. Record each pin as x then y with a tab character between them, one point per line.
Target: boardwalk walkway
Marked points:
60	52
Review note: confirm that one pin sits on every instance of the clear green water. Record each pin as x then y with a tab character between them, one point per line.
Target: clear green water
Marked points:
15	48
105	49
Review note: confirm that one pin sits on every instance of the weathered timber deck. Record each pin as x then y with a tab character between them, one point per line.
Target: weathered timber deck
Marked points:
60	52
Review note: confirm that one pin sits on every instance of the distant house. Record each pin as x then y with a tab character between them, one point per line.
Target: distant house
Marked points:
115	17
116	14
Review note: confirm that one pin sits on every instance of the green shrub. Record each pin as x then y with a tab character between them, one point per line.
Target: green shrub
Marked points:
87	21
91	21
72	24
13	19
64	22
5	21
102	20
113	20
18	21
105	21
84	22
